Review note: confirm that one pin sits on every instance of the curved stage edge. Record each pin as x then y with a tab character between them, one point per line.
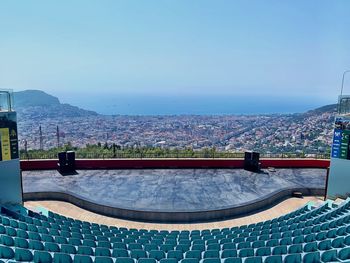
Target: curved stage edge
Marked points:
174	217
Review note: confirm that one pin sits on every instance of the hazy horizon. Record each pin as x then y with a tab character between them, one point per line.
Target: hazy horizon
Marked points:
192	104
292	50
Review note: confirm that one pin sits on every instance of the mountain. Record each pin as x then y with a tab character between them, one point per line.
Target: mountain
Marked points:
38	104
331	108
29	98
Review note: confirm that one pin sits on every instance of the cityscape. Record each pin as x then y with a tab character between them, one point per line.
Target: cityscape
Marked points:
309	132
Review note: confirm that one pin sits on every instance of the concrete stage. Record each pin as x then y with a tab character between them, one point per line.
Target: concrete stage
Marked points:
172	195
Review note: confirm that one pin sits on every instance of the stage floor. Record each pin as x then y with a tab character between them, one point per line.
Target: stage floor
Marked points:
173	190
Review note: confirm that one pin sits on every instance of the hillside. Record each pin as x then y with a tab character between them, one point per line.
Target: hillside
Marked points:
34	104
332	108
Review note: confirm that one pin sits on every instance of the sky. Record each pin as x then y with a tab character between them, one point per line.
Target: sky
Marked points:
291	48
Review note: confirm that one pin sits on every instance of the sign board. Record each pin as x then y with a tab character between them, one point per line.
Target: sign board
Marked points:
339	176
8	137
10	174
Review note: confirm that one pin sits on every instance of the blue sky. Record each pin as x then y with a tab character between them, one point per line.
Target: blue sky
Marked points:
276	48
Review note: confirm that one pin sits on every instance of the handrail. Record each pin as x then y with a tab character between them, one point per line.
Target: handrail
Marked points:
174	155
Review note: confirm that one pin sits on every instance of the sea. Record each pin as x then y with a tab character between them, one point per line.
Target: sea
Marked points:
195	105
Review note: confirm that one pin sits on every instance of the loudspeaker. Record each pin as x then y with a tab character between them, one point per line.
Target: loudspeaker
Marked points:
71	160
62	159
255	156
66	162
251	161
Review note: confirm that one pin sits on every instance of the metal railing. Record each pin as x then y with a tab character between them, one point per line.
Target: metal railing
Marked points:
171	155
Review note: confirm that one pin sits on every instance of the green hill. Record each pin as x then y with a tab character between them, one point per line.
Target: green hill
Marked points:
38	104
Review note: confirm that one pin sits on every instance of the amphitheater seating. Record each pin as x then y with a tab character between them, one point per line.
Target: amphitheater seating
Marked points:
309	234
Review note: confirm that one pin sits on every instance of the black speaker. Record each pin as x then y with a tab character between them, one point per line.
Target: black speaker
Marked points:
71	160
66	162
255	156
62	159
251	161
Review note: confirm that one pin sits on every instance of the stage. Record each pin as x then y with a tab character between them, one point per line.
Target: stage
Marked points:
172	195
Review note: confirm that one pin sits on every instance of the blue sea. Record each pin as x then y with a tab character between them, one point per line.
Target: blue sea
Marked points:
194	105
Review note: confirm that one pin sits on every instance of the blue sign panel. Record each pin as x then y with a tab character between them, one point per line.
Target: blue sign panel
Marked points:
337	139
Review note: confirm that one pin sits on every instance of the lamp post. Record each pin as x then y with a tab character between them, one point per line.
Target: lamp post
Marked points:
342	82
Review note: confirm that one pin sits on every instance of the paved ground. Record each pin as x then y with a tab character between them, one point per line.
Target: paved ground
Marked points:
73	211
173	189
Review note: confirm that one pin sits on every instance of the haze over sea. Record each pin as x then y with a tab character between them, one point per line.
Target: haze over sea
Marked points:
194	105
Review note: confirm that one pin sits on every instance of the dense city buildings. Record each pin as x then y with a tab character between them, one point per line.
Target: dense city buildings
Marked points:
308	133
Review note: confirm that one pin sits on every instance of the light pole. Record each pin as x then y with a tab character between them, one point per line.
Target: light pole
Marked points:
342	82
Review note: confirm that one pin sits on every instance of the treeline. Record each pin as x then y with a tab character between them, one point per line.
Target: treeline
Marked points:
116	151
105	151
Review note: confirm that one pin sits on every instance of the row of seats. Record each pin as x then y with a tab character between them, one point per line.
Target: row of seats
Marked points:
309	234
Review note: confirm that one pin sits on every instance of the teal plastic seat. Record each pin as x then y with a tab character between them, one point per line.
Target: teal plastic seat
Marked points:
89	243
242	245
259	243
156	254
190	260
183	247
279	250
118	252
175	254
103	260
22	234
133	246
347	240
138	253
148	247
11	231
82	259
338	242
102	252
7	241
310	247
166	247
298	240
263	251
325	245
6	252
253	260
34	236
293	258
273	259
200	247
214	246
168	260
22	254
36	245
229	246
60	240
211	254
119	245
246	252
69	249
21	243
344	254
272	243
313	257
42	257
51	247
233	260
229	253
286	241
297	248
211	260
47	238
84	250
145	260
193	254
329	256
